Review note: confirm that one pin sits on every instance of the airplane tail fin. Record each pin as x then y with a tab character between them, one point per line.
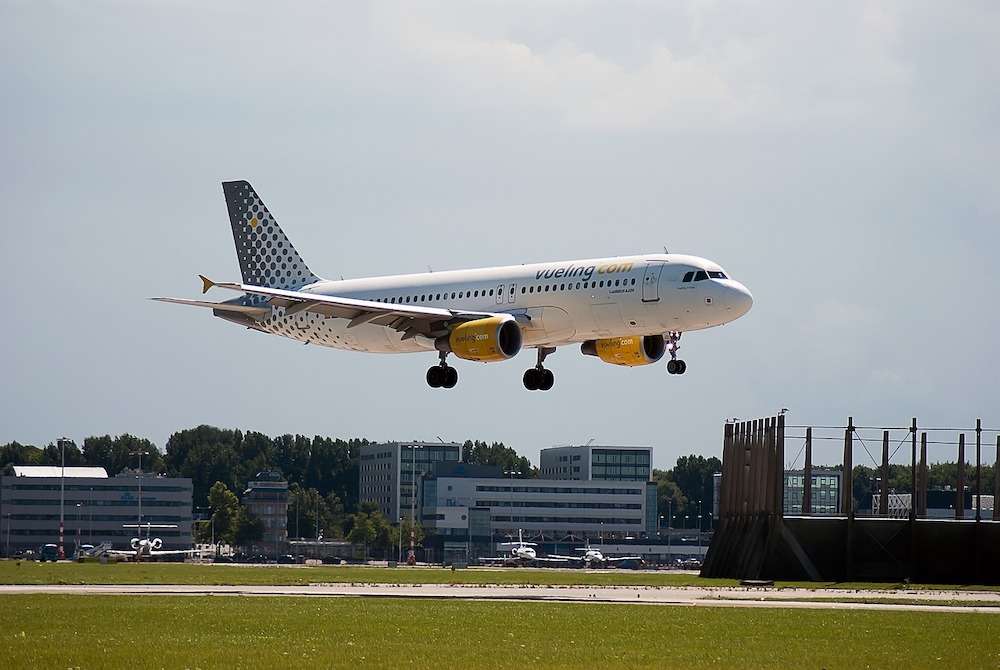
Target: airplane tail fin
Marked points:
266	255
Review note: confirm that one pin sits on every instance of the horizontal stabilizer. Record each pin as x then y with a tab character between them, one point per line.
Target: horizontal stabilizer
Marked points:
256	312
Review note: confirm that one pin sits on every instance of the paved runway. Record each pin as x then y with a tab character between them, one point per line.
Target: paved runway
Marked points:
686	596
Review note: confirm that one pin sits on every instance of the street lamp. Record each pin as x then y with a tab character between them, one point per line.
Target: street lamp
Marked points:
140	453
411	558
62	492
78	506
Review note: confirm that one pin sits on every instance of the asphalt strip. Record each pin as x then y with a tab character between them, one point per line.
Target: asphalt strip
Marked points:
676	597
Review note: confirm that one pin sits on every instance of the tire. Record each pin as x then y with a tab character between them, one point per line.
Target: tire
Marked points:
435	376
450	377
672	367
531	379
681	367
547	379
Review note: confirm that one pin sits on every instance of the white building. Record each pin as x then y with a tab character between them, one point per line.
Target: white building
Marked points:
460	506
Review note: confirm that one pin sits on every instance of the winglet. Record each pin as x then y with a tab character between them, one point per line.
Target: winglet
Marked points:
206	284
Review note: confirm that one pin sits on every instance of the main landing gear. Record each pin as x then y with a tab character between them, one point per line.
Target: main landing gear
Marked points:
675	366
539	378
442	375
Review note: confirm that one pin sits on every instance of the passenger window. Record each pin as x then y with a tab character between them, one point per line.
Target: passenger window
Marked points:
491	293
438	297
578	286
522	290
602	283
452	295
422	298
617	282
562	287
546	288
633	281
688	277
407	298
701	275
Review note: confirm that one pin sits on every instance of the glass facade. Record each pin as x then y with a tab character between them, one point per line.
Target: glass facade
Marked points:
825	492
620	464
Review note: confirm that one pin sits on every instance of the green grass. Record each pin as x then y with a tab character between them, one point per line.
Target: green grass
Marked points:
31	572
176	631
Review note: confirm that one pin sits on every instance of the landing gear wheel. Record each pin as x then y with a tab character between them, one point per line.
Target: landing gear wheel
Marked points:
547	379
435	376
677	367
450	377
531	379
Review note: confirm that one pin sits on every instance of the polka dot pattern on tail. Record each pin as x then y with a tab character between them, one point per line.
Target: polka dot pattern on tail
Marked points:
267	257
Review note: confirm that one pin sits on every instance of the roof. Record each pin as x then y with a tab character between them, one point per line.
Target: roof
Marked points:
56	471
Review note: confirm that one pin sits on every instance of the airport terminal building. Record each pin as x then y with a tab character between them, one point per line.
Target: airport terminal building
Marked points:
390	473
95	507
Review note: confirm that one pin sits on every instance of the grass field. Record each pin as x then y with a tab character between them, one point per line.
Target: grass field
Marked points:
30	572
177	631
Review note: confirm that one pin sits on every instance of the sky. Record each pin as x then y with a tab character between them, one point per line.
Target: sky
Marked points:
838	158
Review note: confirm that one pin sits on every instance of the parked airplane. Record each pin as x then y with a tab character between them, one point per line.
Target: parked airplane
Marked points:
148	547
595	558
521	553
627	310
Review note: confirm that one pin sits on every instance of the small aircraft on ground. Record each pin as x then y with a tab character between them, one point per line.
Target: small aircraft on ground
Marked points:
521	553
595	558
149	547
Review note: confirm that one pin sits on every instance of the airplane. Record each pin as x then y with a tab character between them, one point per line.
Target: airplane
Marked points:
625	310
148	547
521	553
595	558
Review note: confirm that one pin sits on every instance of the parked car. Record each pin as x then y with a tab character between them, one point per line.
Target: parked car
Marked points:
286	559
48	552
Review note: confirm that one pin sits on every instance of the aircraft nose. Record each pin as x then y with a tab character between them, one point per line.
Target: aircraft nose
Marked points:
740	298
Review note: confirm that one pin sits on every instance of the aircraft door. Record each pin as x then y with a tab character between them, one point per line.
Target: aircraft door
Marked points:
511	293
500	294
651	282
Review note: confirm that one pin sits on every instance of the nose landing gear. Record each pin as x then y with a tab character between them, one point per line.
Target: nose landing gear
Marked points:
539	378
442	375
675	366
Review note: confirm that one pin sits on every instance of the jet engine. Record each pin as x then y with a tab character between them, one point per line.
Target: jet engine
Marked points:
136	542
630	351
157	543
495	338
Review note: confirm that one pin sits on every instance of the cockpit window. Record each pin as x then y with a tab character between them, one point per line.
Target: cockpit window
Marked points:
717	275
688	277
701	275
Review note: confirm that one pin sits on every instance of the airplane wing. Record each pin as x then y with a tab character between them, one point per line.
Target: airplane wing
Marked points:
622	558
411	320
551	559
176	552
494	559
566	558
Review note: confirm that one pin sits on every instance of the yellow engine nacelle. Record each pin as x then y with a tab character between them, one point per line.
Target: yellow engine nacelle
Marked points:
495	338
630	351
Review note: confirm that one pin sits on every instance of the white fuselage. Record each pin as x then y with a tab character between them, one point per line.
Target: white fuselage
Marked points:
558	303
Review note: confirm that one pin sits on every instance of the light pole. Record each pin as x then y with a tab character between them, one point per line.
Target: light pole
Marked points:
79	506
411	558
699	530
6	552
670	516
62	493
140	452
